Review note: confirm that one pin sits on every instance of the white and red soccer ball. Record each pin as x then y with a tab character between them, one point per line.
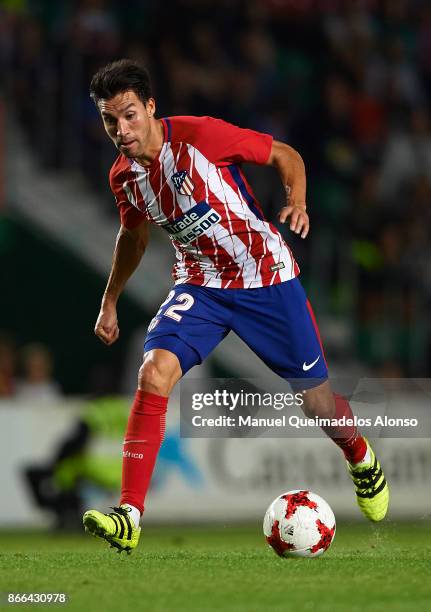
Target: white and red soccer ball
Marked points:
299	524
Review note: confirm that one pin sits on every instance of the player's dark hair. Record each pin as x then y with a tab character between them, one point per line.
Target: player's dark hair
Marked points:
119	76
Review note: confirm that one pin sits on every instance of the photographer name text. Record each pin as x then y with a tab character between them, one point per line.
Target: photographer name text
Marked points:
299	422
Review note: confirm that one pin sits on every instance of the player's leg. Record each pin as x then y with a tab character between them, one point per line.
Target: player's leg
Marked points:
158	374
188	325
160	371
281	329
372	491
320	401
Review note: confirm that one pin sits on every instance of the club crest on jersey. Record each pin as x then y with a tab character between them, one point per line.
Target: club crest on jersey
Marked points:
183	183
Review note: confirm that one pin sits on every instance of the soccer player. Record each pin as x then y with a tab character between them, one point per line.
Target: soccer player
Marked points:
234	272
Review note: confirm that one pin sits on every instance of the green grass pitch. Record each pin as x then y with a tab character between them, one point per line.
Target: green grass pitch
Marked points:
368	568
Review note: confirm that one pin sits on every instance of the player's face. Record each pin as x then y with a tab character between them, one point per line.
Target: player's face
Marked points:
128	122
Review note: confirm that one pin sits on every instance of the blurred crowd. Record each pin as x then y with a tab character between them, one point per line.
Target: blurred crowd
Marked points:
347	82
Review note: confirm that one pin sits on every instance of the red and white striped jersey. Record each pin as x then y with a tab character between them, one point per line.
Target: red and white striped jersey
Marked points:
197	192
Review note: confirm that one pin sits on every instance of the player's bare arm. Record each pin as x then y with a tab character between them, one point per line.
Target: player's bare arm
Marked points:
291	168
129	250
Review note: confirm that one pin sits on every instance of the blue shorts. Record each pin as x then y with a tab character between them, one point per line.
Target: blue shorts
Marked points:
276	322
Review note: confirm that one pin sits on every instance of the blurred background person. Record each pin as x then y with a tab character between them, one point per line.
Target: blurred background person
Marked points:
37	382
7	366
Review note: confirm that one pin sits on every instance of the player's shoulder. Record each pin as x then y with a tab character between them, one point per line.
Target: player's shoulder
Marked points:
118	171
188	127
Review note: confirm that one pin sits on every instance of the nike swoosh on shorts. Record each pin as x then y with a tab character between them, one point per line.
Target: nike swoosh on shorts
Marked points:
306	366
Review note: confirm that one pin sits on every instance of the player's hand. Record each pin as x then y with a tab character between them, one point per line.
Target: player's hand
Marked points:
106	327
299	221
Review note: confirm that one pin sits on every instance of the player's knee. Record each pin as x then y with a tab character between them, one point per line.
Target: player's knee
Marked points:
319	405
158	375
151	378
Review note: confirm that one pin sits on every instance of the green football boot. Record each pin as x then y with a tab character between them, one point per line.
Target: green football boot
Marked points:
117	528
372	491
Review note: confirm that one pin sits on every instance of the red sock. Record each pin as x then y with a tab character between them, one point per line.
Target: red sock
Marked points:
347	437
144	436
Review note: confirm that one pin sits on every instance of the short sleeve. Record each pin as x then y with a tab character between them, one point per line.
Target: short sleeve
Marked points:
224	143
130	216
